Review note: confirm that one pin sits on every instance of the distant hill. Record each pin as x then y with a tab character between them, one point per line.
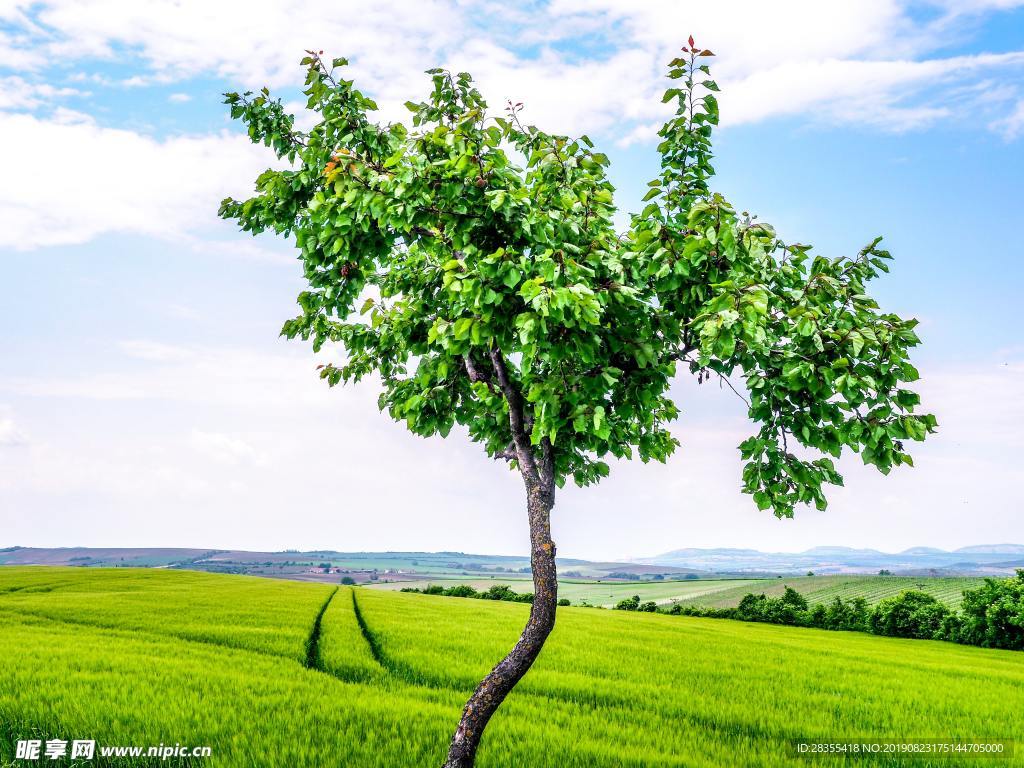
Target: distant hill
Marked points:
328	565
331	566
984	559
994	549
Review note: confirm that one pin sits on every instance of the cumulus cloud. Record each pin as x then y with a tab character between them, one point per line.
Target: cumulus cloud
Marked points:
844	91
72	180
595	67
18	93
597	62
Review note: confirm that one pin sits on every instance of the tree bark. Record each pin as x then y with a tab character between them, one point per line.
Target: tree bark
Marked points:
493	689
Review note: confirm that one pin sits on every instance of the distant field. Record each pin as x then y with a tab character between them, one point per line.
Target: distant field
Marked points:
727	593
822	589
603	593
244	666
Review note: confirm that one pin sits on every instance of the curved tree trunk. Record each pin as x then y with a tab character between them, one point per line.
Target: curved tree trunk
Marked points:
502	679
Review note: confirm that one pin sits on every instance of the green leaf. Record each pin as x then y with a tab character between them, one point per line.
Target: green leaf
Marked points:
462	328
512	278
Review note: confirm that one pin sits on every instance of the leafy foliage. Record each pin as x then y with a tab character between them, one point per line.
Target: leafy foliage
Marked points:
439	261
910	614
993	614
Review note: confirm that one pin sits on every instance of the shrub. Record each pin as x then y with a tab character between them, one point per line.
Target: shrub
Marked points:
564	601
993	614
628	604
349	581
794	599
909	614
649	607
499	592
951	629
752	607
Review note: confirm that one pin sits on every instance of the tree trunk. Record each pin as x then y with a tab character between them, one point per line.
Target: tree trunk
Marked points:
502	679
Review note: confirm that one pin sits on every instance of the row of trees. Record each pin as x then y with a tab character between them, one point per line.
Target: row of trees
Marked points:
497	592
991	616
633	604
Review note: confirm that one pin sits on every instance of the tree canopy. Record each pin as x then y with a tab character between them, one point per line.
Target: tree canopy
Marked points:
471	261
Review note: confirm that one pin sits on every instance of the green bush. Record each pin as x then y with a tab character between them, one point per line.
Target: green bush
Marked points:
628	604
909	614
993	614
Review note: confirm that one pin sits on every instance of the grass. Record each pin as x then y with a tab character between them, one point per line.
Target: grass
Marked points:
144	657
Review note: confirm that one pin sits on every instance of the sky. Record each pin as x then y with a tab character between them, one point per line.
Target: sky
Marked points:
147	400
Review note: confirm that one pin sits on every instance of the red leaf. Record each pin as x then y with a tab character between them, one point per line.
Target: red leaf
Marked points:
691	41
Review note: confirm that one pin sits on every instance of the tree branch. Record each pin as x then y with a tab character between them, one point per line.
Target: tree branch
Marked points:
509	454
476	373
516	419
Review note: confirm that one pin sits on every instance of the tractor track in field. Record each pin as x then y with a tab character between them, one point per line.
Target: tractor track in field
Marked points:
396	669
369	637
313	660
410	676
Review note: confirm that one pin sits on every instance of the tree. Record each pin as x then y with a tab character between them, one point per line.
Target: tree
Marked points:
909	614
993	614
794	599
471	263
628	603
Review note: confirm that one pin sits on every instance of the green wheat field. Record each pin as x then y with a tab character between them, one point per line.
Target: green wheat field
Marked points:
275	673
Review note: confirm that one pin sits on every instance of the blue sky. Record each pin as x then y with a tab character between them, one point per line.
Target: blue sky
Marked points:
145	398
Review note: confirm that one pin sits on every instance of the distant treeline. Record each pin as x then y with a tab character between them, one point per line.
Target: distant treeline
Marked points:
991	616
497	592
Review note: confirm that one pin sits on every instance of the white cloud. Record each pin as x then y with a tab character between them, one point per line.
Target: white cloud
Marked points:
18	93
226	449
799	56
251	43
864	63
346	465
845	91
10	435
1012	125
193	375
110	180
179	98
